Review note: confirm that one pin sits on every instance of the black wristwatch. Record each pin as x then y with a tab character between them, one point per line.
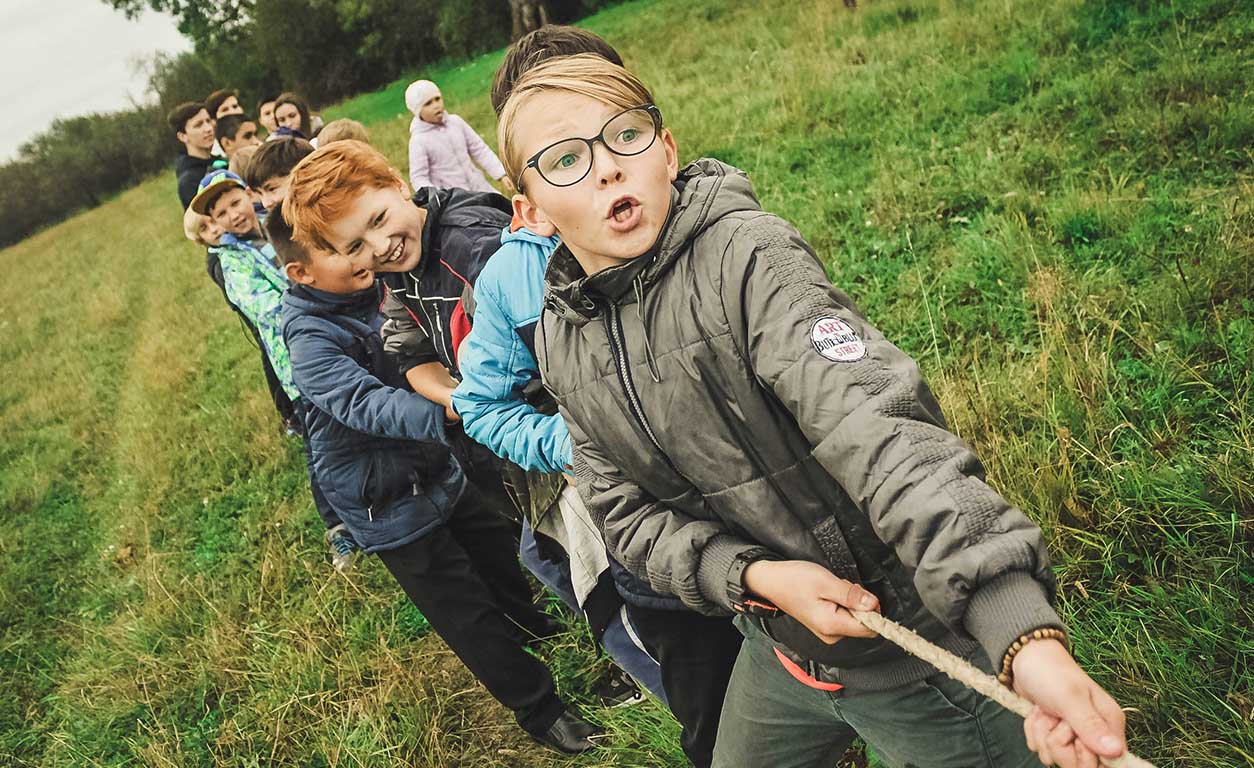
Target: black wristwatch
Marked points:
742	600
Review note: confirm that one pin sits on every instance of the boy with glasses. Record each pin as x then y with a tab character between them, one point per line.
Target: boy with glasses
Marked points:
672	650
749	443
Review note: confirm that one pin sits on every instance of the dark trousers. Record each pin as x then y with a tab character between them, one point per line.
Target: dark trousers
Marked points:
323	507
697	654
465	578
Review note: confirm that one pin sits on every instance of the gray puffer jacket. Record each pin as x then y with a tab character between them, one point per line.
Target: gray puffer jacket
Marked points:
725	400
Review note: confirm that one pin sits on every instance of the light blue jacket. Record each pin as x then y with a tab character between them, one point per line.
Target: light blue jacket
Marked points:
498	358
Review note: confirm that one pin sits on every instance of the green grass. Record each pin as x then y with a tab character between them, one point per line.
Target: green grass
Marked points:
1048	205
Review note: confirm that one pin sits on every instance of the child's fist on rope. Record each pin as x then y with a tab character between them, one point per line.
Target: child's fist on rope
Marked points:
1075	721
812	595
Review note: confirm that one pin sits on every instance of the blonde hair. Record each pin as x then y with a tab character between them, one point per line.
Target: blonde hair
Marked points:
192	224
583	74
339	130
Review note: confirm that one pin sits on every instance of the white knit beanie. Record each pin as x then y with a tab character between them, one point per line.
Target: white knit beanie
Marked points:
420	92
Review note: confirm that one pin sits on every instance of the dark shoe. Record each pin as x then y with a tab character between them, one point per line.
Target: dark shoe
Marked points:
570	734
293	428
617	689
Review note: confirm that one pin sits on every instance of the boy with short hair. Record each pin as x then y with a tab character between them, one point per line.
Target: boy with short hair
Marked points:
269	172
429	251
502	405
254	284
236	131
223	102
384	460
265	114
193	128
819	476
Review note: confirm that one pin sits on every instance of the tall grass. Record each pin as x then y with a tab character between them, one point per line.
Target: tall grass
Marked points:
1047	204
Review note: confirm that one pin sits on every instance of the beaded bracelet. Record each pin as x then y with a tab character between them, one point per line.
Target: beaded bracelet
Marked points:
1006	677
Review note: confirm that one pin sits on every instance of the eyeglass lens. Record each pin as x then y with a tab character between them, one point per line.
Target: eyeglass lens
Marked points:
566	162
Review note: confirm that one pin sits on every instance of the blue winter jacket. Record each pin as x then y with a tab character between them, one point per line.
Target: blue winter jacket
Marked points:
379	450
498	361
498	358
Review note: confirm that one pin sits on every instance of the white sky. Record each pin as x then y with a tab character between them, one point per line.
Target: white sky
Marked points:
68	57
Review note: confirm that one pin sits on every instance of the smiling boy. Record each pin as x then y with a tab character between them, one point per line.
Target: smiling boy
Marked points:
254	284
461	572
428	250
751	444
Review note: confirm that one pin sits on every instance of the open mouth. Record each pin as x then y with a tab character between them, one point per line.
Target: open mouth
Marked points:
363	274
395	254
624	214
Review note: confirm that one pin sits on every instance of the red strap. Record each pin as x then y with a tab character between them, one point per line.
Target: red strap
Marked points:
796	671
458	328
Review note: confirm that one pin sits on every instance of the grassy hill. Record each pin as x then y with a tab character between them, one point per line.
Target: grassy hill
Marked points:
1047	204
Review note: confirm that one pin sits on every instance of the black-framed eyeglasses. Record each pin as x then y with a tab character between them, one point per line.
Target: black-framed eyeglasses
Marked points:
628	133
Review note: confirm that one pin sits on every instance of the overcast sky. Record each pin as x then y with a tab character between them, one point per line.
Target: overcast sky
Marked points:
68	57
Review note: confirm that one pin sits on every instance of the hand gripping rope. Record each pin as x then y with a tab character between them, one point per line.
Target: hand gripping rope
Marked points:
969	675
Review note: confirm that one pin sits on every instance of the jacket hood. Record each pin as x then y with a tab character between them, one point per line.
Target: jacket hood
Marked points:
524	235
442	204
704	192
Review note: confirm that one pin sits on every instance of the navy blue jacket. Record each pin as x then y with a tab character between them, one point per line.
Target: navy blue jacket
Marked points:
379	450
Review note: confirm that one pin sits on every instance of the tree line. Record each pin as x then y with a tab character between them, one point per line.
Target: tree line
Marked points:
324	50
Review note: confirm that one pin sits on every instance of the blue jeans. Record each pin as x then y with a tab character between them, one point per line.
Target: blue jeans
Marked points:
620	640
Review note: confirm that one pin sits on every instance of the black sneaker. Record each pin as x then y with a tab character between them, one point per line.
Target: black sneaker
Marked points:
617	689
570	734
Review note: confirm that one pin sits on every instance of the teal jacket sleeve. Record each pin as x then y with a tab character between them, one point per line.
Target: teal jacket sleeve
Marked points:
255	286
496	365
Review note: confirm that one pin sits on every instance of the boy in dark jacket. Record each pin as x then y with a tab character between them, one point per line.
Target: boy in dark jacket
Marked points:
749	443
383	460
193	127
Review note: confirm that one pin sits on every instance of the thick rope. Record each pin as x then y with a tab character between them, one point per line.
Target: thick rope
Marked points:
969	675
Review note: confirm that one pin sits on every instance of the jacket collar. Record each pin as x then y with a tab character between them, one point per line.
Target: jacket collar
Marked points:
703	192
359	305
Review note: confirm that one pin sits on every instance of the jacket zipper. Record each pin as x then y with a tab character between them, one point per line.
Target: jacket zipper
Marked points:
614	330
437	338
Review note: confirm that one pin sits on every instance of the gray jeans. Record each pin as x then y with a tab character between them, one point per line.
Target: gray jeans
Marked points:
770	720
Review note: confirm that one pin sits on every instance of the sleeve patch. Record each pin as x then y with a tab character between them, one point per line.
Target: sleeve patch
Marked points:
836	340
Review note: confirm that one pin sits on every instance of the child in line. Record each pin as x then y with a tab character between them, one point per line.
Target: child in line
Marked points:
223	102
265	115
254	284
234	132
292	112
193	127
384	461
204	231
751	444
340	130
429	251
502	405
443	148
201	229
